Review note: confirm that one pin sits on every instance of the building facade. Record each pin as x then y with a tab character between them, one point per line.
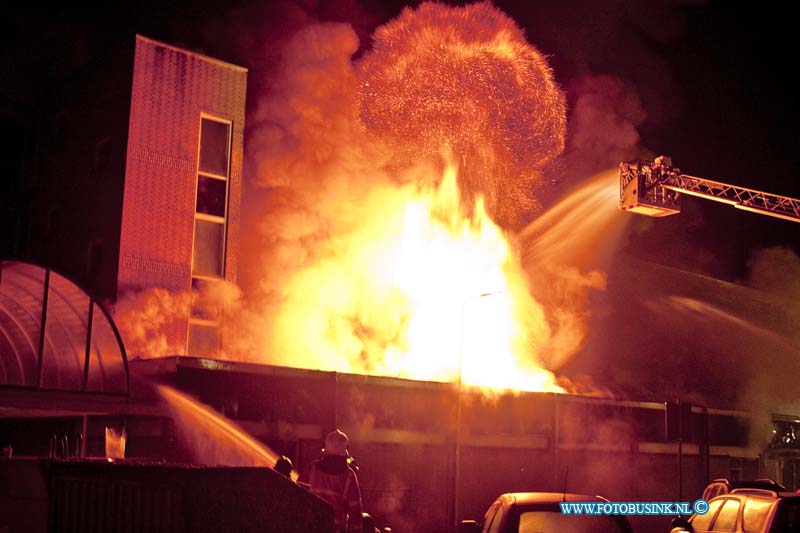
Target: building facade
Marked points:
183	180
136	178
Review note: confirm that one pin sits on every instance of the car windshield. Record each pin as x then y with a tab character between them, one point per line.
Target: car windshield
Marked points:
555	522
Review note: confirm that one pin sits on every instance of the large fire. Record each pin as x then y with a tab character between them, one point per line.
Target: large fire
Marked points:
424	291
393	187
412	168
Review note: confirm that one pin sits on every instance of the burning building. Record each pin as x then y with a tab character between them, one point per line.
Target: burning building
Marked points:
399	305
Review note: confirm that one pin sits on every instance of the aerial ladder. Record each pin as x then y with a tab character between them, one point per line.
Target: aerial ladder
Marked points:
654	188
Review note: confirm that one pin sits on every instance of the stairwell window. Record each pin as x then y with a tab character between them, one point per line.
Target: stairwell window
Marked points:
210	230
212	198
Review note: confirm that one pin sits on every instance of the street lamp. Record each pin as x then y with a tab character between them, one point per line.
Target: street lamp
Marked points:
457	466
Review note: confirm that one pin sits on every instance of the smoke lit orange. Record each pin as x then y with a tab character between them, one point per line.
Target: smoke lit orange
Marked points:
394	261
395	185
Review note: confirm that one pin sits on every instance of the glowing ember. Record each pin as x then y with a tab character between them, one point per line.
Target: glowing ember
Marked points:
465	78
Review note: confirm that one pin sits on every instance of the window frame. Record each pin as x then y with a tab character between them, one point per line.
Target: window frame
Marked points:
204	216
220	120
223	221
224	238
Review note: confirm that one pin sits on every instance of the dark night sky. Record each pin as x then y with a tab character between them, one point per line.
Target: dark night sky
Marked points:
714	81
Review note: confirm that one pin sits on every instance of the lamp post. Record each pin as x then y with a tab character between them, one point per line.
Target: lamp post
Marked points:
457	466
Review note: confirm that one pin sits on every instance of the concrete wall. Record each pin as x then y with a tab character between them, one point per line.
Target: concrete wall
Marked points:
404	436
172	89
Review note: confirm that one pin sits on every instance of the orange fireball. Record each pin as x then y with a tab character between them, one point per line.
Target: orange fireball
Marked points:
423	291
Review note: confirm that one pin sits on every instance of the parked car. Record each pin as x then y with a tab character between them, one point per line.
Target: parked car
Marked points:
746	510
721	486
540	512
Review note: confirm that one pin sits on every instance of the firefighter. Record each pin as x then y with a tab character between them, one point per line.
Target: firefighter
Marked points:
283	466
333	479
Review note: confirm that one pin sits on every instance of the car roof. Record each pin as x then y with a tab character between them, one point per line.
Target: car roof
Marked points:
764	483
759	493
523	498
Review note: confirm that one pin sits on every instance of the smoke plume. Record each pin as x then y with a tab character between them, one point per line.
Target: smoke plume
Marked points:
344	152
342	146
147	321
605	113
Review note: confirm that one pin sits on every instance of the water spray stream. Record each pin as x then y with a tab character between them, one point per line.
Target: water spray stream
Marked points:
581	229
711	311
213	439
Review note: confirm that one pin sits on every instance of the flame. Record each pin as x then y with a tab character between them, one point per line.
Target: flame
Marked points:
392	180
387	184
425	292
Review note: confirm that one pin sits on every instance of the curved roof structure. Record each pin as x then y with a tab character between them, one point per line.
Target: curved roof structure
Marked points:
55	336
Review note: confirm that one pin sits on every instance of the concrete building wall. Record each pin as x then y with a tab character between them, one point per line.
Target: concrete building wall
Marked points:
173	92
404	435
112	179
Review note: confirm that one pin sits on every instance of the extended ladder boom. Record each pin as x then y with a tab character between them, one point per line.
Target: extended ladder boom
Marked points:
654	188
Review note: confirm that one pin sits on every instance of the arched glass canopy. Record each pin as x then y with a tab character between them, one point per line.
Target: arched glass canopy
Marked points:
55	336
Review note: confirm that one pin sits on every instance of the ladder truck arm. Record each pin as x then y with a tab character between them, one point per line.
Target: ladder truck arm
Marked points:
654	188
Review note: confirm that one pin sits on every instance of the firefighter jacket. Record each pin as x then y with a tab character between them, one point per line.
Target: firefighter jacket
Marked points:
333	480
